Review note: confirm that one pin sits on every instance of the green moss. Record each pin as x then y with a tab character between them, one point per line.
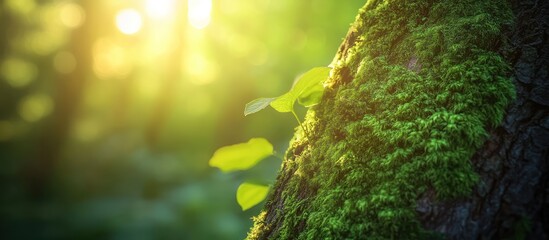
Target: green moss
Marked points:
409	102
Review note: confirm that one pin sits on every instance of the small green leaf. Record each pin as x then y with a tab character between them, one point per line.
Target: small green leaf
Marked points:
257	105
241	156
249	194
284	103
311	78
312	96
307	89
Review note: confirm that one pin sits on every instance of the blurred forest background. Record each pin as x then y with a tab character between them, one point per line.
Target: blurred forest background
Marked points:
110	110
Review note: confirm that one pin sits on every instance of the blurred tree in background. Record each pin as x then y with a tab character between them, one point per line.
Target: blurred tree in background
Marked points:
110	110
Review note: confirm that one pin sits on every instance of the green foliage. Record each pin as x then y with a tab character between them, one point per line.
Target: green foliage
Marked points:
244	156
141	125
257	105
241	156
408	104
250	194
307	90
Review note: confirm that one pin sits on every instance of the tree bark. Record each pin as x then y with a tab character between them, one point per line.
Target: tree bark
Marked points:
513	194
405	146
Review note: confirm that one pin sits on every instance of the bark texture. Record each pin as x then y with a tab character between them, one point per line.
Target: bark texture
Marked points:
420	133
512	198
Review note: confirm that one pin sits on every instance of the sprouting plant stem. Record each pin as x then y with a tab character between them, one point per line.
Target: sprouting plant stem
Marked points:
302	126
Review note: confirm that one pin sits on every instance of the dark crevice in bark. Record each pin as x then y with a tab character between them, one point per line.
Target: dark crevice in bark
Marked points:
274	208
513	163
348	43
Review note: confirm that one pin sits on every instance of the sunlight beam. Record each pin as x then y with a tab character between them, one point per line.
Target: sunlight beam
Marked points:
129	21
199	14
159	9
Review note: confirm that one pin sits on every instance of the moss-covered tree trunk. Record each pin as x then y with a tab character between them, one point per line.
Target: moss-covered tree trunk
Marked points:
435	122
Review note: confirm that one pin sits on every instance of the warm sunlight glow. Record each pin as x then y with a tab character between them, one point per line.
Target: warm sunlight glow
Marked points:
201	71
199	13
110	59
128	21
160	43
159	8
71	15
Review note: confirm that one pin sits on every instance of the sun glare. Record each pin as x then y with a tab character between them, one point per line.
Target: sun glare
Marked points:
199	13
129	21
159	8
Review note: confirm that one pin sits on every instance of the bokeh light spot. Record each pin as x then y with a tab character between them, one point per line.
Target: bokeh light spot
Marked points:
17	72
86	130
199	14
64	62
201	71
23	7
129	21
44	41
159	8
71	15
35	107
110	59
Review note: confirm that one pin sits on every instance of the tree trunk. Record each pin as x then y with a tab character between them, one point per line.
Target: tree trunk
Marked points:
434	123
70	88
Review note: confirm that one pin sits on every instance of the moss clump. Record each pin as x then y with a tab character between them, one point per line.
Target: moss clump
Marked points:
414	88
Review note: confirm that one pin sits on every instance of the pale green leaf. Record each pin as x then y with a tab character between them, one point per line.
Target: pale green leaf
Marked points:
257	105
312	96
241	156
284	103
310	79
307	89
249	194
